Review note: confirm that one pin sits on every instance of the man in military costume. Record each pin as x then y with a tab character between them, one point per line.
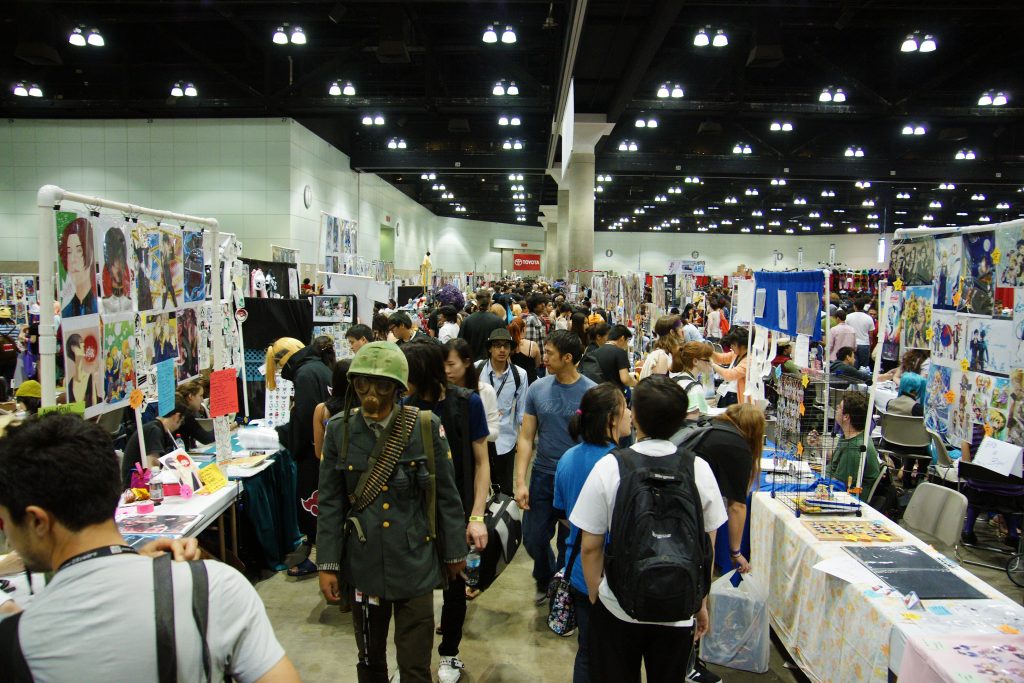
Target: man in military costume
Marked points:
391	526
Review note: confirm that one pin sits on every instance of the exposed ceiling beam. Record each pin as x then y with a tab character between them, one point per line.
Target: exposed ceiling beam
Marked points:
207	61
572	45
813	109
392	161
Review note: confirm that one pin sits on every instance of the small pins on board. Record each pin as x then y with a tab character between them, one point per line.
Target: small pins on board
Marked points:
854	531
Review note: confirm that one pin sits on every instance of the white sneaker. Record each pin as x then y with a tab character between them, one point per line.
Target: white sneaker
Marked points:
450	670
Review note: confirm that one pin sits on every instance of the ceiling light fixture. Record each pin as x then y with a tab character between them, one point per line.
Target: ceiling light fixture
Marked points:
935	204
978	197
349	90
984	219
700	39
76	37
513	89
999	100
868	203
1002	206
334	90
965	155
499	89
909	43
298	37
663	90
190	90
928	44
720	39
502	120
779	181
508	36
280	37
902	195
176	90
490	35
677	91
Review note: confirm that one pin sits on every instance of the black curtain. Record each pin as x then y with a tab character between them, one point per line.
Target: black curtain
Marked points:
271	319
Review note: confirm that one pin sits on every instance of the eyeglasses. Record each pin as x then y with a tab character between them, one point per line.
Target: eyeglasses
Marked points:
379	386
501	345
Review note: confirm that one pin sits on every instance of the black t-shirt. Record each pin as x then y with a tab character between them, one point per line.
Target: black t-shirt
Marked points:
157	441
731	462
612	359
476	329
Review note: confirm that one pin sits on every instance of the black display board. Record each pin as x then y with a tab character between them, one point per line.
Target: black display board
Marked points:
271	319
907	568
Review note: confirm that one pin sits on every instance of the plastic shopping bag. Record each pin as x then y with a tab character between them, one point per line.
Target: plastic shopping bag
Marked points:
739	637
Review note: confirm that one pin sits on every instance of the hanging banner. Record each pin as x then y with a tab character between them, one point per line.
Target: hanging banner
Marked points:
526	262
686	267
792	303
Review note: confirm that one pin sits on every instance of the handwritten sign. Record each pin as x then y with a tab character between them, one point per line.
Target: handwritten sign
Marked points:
223	392
999	456
76	408
165	386
213	478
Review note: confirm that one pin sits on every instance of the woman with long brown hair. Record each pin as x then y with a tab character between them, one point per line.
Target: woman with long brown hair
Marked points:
732	367
659	360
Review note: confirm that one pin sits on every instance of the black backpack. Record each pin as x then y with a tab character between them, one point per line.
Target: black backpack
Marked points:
590	368
658	561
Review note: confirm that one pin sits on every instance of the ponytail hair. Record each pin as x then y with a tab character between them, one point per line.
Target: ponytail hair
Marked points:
599	406
277	355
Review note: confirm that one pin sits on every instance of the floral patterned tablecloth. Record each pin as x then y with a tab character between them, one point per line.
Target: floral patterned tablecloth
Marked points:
837	631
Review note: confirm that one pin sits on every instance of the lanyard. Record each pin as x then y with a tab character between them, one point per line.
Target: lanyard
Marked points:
497	391
96	553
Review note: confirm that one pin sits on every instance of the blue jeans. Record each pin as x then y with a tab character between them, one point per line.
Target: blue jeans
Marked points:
863	356
581	669
539	526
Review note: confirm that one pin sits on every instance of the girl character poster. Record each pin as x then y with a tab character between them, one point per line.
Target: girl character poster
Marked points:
917	317
188	344
116	270
949	338
118	361
891	326
948	263
162	329
76	265
195	266
83	377
1010	269
172	287
978	274
936	412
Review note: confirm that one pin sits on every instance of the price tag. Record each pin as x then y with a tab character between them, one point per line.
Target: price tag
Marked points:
213	479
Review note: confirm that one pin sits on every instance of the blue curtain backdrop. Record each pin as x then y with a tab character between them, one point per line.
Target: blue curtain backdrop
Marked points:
791	284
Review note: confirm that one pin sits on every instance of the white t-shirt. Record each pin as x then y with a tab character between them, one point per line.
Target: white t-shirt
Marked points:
593	510
863	325
94	622
447	332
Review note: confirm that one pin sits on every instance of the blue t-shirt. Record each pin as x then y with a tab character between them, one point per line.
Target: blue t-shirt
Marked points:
570	476
554	404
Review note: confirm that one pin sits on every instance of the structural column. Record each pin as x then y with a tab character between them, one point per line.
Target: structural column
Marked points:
563	234
578	178
549	219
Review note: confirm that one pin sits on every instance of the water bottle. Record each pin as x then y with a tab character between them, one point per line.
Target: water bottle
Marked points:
472	567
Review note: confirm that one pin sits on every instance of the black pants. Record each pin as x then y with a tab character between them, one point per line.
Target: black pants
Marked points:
414	636
502	467
728	399
453	617
616	649
307	480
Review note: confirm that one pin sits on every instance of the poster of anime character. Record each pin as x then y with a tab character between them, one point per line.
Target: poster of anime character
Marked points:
188	343
1018	327
937	407
913	262
118	362
194	265
83	368
30	289
981	387
145	244
349	237
117	266
168	268
1015	408
76	264
948	265
990	345
141	352
205	338
18	288
948	338
917	317
978	274
1010	269
162	337
891	326
961	419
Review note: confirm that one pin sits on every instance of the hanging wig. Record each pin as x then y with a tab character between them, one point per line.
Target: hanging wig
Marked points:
278	354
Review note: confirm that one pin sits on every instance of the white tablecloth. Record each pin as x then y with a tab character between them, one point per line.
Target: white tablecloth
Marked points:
209	506
838	631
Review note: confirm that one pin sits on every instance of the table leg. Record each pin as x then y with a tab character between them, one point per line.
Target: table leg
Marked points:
234	528
220	535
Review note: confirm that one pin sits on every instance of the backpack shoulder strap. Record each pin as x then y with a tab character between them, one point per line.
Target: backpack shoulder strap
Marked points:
430	504
515	375
12	659
163	612
201	609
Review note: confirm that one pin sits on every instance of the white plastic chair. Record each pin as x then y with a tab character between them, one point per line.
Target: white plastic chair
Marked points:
936	511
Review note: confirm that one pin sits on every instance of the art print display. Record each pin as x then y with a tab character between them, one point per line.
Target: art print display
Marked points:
118	359
917	317
160	264
808	313
76	264
349	237
948	265
990	345
205	314
139	234
194	263
961	418
891	326
333	309
330	236
978	274
948	338
142	353
337	332
1010	269
83	366
162	337
913	262
116	265
1015	407
936	413
1018	327
188	343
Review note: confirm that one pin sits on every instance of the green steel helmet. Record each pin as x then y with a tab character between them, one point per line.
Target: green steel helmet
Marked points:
381	359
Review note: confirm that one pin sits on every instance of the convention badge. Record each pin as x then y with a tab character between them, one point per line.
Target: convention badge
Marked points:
898	285
358	597
997	255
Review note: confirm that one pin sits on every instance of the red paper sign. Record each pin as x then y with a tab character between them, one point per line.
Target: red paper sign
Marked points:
223	392
526	262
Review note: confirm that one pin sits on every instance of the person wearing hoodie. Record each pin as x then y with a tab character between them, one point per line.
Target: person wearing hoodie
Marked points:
843	366
308	368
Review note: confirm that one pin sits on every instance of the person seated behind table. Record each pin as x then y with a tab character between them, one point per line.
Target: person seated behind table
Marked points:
29	396
159	438
845	461
784	356
357	336
980	493
911	397
190	395
844	366
103	592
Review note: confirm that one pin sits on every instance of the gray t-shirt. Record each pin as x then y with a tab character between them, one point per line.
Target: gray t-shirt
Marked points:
554	404
94	622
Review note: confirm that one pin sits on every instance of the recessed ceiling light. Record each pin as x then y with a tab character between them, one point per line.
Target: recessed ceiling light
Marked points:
280	37
490	35
700	39
663	90
508	36
298	37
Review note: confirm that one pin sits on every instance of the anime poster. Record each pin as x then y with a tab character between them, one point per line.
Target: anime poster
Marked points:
330	236
162	337
117	265
205	337
1010	269
1018	327
990	345
948	265
891	326
118	364
349	236
5	288
982	387
83	365
30	289
961	418
1015	408
143	356
160	263
337	332
949	338
194	265
913	262
937	407
188	344
917	317
76	264
145	242
333	309
978	274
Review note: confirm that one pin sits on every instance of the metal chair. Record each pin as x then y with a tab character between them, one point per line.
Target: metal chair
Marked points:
111	421
938	512
973	481
944	469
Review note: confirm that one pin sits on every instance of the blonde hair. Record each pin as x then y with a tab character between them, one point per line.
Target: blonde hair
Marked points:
749	420
278	354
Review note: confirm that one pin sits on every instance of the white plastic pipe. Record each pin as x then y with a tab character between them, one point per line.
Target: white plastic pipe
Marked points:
905	233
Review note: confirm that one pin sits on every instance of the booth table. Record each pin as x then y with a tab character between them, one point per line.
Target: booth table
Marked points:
842	632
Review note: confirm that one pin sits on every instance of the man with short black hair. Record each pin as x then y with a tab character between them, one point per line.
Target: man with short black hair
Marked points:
59	488
510	385
536	305
400	325
614	360
158	435
358	336
476	328
843	366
